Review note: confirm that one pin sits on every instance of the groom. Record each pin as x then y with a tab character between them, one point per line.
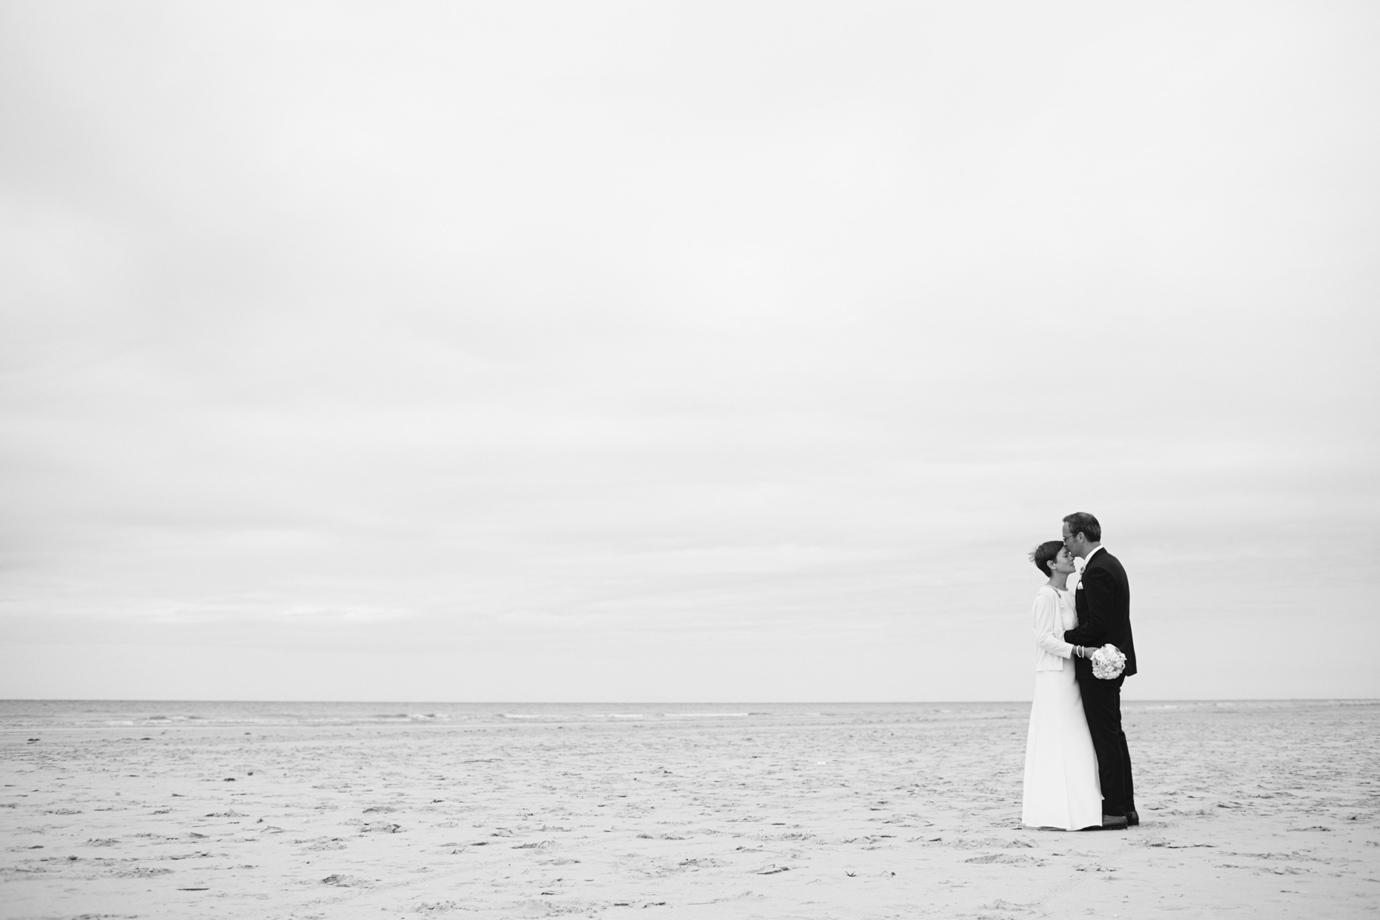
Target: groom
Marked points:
1103	604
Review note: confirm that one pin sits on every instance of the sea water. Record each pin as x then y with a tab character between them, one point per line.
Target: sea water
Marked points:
95	714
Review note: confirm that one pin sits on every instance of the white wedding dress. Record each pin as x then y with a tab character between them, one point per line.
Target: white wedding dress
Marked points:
1061	785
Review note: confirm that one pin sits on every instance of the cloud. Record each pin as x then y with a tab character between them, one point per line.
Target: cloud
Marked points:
734	335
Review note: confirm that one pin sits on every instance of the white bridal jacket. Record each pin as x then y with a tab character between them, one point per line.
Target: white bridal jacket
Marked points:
1052	615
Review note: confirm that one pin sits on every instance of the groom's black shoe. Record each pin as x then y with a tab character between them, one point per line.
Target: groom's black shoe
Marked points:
1132	819
1114	822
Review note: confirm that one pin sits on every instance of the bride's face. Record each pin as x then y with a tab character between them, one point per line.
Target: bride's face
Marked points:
1063	562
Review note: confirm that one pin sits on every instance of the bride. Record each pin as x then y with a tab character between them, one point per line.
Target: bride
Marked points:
1061	785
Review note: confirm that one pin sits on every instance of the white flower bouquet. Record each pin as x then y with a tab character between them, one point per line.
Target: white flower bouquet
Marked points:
1108	662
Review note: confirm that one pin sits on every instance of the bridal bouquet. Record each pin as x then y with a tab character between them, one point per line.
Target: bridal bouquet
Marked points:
1108	662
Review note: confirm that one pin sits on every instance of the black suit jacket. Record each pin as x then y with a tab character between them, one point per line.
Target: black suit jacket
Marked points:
1103	603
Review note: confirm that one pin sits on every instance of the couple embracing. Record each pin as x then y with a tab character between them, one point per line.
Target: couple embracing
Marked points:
1077	766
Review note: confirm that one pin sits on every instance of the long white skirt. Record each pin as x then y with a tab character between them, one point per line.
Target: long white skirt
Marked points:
1061	785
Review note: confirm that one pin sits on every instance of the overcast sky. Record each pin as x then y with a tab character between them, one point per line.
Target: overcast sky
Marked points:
644	351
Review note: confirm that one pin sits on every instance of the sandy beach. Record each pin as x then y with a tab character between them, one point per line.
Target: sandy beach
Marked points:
1250	809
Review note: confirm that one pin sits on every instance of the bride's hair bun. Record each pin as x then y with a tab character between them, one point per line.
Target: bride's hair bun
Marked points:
1045	553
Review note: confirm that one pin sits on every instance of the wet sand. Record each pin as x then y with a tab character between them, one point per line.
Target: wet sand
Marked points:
1250	810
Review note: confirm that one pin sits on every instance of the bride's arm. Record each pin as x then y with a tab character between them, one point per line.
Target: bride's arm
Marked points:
1049	625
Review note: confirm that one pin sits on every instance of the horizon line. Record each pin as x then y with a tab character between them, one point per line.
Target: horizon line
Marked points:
1296	699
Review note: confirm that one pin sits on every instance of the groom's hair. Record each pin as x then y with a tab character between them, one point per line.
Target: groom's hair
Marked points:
1086	524
1044	553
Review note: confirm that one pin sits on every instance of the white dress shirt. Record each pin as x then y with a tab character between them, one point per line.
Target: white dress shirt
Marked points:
1077	576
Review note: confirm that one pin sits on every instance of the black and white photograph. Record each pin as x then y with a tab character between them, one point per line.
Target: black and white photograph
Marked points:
764	460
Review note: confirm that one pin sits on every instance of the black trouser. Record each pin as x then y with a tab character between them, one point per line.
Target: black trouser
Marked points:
1102	706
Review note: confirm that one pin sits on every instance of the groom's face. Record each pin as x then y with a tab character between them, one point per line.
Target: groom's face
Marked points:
1075	547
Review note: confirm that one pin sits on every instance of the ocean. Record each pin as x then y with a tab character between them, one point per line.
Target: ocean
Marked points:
94	714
